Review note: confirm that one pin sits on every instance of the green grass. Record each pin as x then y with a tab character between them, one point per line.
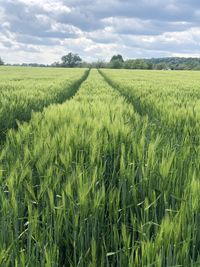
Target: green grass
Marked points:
108	178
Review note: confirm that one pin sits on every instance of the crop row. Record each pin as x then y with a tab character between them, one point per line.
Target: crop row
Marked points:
23	90
91	182
170	97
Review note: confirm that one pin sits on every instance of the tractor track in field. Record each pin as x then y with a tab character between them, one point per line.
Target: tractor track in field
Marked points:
156	123
70	94
149	111
134	101
76	86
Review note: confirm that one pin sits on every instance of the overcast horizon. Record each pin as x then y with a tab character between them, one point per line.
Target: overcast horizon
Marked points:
43	31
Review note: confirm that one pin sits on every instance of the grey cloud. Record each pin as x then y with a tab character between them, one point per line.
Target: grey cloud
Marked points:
148	27
7	44
26	39
132	27
25	20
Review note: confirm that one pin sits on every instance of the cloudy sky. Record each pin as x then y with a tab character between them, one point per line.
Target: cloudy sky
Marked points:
44	30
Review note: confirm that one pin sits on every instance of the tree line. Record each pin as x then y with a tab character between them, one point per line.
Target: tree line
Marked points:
72	60
117	62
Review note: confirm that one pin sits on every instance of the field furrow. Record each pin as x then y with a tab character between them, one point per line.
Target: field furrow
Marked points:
26	90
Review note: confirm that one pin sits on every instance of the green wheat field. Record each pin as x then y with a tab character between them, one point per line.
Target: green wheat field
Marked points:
99	168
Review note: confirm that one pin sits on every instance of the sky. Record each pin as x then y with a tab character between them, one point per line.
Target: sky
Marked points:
43	31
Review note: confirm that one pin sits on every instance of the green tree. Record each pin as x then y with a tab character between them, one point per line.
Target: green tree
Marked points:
71	60
160	66
116	62
137	64
117	57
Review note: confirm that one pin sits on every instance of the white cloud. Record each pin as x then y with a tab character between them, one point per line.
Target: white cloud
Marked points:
43	30
48	5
